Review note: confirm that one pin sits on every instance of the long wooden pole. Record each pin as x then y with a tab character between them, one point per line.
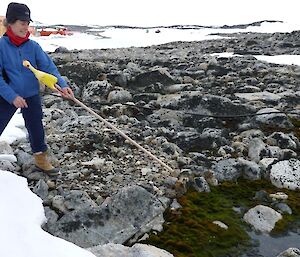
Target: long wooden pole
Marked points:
121	133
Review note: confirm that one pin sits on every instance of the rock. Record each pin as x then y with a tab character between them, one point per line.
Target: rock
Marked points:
25	160
77	199
283	208
120	79
166	118
58	204
137	250
248	135
291	252
200	185
262	196
226	170
61	49
9	166
249	89
266	163
262	218
119	96
257	149
206	104
5	148
96	162
283	140
41	189
96	91
272	118
220	224
286	174
276	152
177	88
148	78
175	205
250	170
232	169
110	249
143	250
131	212
51	215
279	196
266	96
209	139
8	157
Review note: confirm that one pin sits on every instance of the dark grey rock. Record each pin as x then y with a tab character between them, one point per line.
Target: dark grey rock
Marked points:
130	212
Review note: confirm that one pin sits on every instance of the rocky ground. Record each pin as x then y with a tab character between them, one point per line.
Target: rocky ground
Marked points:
209	118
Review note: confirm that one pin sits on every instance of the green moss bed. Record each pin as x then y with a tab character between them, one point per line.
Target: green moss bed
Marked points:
189	231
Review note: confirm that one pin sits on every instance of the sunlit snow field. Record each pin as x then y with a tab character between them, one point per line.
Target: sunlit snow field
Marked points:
140	37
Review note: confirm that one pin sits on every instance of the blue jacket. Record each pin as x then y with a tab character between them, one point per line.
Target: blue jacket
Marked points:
20	80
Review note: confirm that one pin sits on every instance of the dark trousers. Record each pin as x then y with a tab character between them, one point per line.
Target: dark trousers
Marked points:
33	121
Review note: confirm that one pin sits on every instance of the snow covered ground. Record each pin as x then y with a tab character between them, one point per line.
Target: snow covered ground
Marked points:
279	59
121	37
21	217
118	38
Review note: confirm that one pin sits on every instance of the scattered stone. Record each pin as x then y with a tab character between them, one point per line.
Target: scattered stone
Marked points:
262	218
283	208
220	224
279	196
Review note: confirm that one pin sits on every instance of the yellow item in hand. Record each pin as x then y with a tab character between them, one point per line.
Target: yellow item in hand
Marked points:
45	78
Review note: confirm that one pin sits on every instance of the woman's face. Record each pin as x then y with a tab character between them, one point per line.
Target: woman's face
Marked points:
20	28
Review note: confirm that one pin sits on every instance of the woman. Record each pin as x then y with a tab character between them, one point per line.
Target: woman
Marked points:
18	86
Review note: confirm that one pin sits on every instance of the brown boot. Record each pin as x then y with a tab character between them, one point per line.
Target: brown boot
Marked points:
43	164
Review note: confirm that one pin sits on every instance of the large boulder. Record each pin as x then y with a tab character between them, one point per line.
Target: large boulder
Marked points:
151	77
286	174
131	212
203	104
231	169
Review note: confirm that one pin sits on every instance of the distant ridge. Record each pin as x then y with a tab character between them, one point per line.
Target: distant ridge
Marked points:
243	26
80	28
